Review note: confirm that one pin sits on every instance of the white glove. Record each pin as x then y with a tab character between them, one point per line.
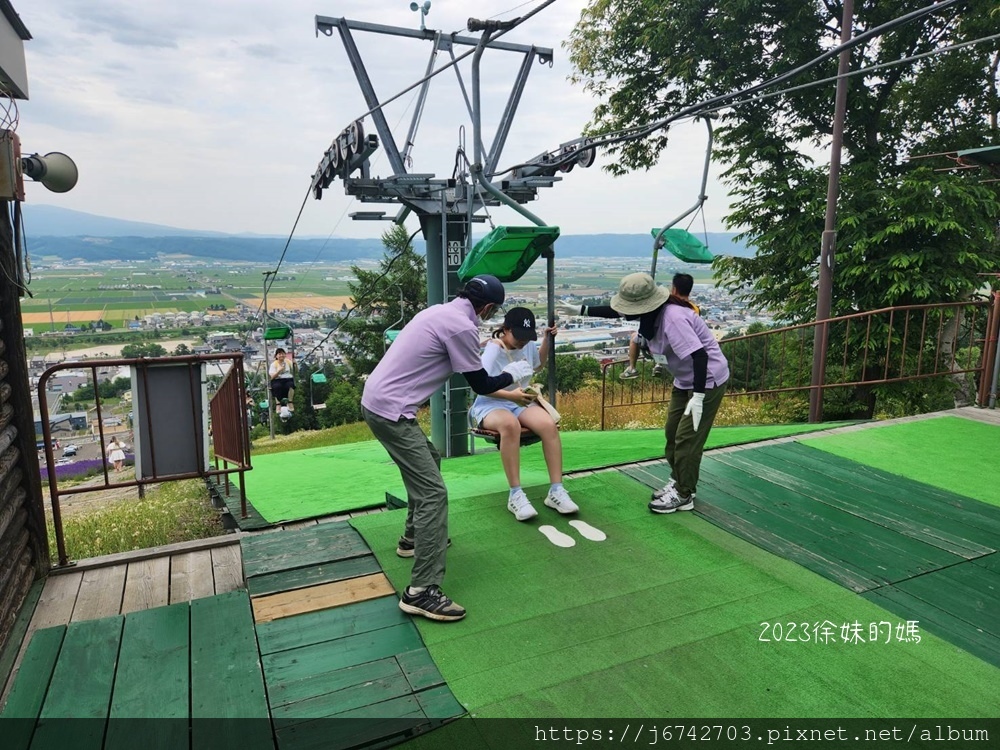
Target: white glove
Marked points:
520	370
695	406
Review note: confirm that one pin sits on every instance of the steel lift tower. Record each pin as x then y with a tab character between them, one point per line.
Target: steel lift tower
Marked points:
446	207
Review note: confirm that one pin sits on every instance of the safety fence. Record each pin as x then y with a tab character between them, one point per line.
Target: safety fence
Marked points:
169	428
956	340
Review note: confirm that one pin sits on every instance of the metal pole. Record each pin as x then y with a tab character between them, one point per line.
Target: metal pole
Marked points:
550	290
828	245
993	334
267	362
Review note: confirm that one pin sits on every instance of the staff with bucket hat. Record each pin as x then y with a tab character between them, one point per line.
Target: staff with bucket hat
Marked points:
439	341
680	341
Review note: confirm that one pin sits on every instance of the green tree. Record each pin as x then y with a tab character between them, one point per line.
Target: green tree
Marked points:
401	277
572	373
906	233
343	405
130	351
181	349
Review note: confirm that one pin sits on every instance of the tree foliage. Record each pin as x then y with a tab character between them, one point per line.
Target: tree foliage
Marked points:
130	351
906	232
401	277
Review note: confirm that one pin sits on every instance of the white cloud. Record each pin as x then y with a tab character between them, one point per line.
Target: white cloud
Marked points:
214	115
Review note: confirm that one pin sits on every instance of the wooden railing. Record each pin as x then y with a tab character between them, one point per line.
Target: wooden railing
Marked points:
891	345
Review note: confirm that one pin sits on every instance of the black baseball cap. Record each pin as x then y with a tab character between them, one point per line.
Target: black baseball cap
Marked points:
521	322
485	288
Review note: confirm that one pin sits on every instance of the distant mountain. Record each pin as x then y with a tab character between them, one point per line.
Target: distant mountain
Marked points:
53	221
66	234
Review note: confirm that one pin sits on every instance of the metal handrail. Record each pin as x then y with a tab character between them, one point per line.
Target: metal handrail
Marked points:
912	348
142	364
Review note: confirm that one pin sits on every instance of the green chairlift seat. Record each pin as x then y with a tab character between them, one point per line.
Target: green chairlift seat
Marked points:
390	336
684	245
318	378
507	252
277	332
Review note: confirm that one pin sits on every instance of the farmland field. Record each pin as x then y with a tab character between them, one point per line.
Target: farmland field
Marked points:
116	294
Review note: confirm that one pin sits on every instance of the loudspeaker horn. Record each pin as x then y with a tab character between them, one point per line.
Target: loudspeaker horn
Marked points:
55	170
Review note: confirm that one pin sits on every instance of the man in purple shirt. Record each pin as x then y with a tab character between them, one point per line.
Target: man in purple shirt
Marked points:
439	341
680	341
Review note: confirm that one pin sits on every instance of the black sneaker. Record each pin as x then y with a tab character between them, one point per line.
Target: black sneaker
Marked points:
431	603
404	548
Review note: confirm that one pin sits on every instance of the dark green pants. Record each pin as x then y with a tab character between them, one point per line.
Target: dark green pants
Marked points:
426	496
685	446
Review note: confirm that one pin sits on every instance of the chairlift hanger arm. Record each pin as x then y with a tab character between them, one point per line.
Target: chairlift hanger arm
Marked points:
368	90
477	166
326	25
702	197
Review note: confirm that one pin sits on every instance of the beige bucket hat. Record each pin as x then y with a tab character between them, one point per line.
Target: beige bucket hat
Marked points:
638	293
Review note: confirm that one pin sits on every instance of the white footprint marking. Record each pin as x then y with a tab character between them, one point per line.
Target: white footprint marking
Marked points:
588	532
557	537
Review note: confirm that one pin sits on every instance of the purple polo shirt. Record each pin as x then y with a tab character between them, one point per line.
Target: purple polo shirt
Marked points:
681	333
439	341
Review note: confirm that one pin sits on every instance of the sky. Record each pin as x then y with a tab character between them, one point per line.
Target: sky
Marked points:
214	115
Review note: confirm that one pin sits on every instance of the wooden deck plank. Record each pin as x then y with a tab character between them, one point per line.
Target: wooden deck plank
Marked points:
329	624
299	578
935	620
301	663
152	681
227	569
323	596
826	565
100	593
17	641
438	703
969	592
904	506
882	553
226	678
740	496
191	576
81	687
919	495
54	607
25	699
269	553
147	585
333	703
295	691
392	719
58	599
420	670
28	692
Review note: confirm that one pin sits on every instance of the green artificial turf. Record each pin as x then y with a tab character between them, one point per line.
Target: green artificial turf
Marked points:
339	478
952	453
661	620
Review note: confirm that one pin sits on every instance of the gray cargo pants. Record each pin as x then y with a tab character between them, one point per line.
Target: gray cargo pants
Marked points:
426	496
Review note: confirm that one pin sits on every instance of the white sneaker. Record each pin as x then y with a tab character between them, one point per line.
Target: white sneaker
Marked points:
560	500
519	504
657	371
666	489
630	373
672	501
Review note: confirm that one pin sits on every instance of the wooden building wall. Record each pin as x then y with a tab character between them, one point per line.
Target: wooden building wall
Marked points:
23	547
